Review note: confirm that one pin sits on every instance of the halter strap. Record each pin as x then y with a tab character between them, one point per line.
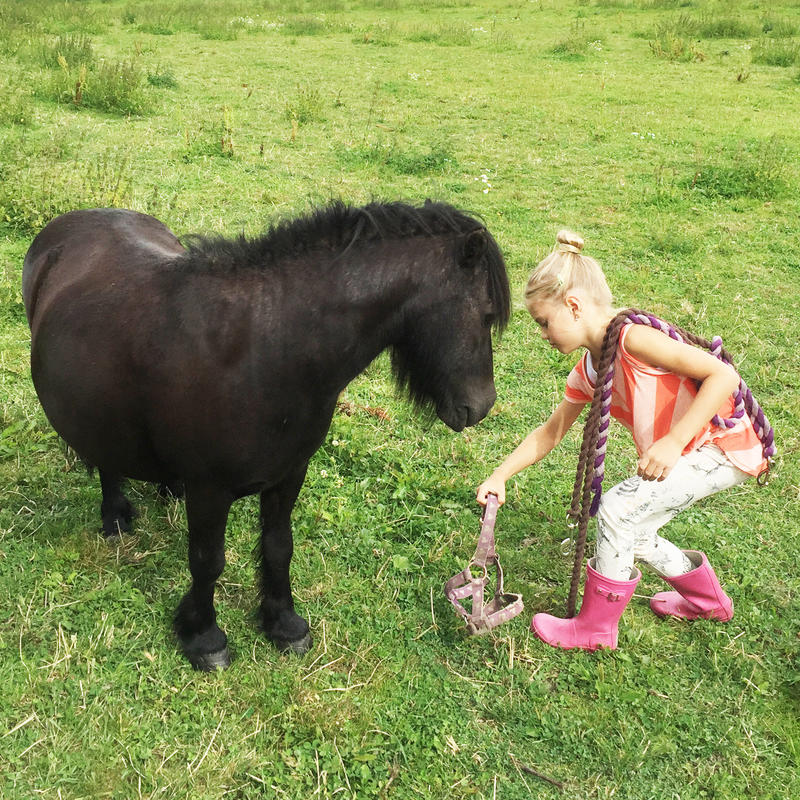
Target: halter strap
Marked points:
503	606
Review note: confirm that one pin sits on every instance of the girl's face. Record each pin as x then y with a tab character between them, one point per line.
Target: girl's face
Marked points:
558	323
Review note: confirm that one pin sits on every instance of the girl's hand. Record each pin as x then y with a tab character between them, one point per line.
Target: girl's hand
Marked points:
495	486
660	458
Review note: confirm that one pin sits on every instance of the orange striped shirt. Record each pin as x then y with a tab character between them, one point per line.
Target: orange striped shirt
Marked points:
649	400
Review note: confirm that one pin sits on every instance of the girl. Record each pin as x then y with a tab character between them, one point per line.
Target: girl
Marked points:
665	392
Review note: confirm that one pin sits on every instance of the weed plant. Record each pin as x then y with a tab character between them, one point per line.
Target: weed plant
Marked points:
306	105
575	45
162	78
684	181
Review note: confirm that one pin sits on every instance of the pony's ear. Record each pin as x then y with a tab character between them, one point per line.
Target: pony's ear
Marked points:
474	248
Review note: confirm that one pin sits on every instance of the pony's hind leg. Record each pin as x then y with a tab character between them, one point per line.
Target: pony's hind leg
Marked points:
115	510
287	630
201	639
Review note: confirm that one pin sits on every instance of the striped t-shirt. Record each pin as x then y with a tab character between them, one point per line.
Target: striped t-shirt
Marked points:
649	400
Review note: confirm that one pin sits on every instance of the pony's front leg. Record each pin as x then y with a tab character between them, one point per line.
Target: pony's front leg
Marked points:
287	630
115	509
201	639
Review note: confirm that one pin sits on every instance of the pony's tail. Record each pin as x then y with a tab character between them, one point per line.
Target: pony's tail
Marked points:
588	487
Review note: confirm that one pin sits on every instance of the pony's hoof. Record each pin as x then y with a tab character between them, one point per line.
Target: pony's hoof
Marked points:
211	662
116	527
298	646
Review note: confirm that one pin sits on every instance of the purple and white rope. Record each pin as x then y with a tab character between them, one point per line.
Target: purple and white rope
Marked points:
744	401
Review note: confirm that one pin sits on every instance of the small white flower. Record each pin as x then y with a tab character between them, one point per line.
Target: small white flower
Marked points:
323	473
414	76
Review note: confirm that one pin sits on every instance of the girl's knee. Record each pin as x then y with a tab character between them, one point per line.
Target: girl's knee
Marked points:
615	504
613	536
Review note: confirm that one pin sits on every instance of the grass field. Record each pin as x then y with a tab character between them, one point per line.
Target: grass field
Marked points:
666	132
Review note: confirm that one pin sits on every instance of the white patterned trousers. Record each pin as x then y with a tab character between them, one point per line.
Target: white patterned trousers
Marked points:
631	514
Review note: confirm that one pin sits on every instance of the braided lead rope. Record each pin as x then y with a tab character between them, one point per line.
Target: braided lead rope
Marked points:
504	605
744	401
591	471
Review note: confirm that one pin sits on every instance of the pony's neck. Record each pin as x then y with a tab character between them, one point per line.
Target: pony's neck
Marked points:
354	308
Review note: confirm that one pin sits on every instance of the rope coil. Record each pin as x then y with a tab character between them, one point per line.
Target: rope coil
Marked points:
588	489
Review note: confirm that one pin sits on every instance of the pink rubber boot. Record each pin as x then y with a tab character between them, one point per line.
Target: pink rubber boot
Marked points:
604	600
698	594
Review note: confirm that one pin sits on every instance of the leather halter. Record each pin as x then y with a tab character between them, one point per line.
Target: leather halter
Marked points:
504	605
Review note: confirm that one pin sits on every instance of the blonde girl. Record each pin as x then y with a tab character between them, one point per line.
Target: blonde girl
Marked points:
693	440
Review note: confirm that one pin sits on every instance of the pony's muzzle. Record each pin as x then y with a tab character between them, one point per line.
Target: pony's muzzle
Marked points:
465	414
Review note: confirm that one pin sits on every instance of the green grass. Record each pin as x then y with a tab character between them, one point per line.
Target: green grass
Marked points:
777	52
681	171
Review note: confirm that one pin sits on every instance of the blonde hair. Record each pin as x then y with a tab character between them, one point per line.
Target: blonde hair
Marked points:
566	269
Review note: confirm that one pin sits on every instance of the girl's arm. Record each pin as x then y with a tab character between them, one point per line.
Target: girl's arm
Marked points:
718	382
533	448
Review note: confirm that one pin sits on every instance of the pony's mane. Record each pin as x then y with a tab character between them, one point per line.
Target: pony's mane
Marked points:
338	227
334	227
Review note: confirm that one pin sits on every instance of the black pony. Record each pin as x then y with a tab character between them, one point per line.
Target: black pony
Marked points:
219	365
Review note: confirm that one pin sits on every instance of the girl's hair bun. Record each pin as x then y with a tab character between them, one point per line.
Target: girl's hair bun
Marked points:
569	242
564	269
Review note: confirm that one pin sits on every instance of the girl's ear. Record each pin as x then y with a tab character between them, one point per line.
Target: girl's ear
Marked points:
574	304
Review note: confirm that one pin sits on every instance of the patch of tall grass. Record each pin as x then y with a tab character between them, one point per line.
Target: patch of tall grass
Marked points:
776	53
305	25
33	191
162	78
306	105
664	4
576	43
778	27
674	40
74	48
16	107
115	87
381	33
713	26
446	34
756	169
213	139
218	31
435	159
